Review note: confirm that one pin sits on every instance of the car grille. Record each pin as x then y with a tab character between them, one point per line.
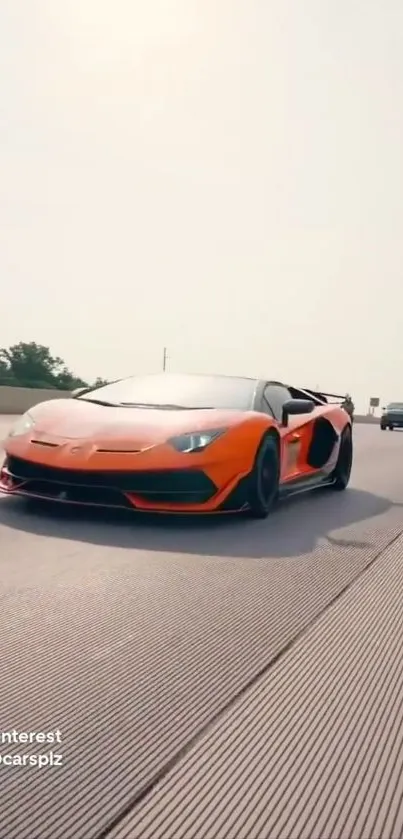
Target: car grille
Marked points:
96	496
171	486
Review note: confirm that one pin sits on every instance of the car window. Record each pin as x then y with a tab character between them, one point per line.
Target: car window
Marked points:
181	391
275	396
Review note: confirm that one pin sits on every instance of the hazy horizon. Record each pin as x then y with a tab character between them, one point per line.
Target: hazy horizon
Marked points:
220	178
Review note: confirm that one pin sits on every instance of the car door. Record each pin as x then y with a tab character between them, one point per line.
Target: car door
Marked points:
295	437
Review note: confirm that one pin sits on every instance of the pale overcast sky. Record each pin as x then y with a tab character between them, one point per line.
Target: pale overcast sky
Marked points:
224	177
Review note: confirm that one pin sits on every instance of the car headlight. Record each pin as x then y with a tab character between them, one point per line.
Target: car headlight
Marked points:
22	426
196	441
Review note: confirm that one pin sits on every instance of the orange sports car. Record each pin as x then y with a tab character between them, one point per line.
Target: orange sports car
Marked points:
180	443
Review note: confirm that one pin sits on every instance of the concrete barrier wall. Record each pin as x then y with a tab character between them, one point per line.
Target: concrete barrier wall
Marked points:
369	420
17	400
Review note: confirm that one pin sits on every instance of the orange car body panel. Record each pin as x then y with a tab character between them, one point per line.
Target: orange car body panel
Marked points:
83	436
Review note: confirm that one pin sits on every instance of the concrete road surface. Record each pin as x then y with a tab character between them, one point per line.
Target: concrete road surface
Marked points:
132	637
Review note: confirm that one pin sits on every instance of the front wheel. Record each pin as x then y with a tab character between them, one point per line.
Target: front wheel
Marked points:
264	479
342	472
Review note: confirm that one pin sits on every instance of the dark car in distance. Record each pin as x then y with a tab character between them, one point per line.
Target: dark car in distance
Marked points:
392	416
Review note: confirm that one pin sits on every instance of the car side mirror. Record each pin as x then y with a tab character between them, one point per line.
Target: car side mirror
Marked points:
294	407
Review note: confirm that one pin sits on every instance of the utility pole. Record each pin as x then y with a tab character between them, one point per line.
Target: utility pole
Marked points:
164	360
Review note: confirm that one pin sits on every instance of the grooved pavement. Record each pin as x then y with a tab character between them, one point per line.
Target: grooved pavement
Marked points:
133	636
314	748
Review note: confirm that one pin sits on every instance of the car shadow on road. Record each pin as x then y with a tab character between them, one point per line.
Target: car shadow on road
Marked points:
293	529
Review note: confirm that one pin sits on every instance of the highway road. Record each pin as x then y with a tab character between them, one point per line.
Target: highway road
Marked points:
141	639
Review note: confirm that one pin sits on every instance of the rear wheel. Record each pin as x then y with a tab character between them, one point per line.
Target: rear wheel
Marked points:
342	472
264	479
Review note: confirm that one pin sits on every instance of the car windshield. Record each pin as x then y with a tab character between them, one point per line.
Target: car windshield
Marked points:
168	390
395	406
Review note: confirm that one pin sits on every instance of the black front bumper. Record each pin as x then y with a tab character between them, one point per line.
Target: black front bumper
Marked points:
97	488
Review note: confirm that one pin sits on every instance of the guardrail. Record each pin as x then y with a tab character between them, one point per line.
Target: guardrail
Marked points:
17	400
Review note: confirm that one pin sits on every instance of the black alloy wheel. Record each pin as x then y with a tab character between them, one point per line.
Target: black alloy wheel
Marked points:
264	479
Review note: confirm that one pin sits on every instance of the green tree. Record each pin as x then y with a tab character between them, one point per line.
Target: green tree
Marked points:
100	382
5	375
33	365
67	381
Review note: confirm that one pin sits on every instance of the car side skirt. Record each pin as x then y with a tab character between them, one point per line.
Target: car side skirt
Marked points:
305	484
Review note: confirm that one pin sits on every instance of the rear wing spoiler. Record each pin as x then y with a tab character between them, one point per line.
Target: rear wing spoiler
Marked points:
325	397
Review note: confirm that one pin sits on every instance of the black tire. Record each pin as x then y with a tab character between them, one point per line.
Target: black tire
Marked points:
391	428
264	480
383	427
342	472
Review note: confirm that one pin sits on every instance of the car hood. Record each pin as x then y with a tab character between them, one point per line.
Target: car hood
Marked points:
75	419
